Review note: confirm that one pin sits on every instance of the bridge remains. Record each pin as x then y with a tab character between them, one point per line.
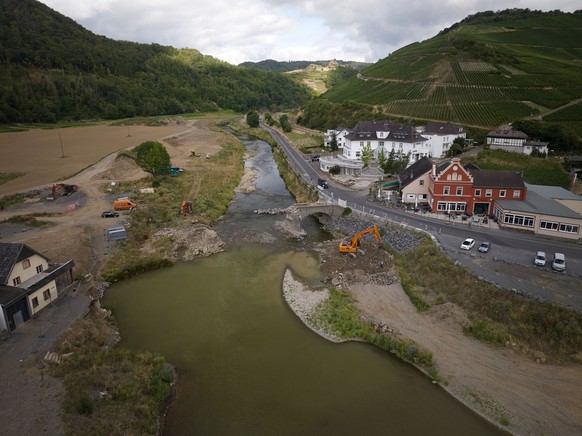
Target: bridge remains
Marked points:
291	225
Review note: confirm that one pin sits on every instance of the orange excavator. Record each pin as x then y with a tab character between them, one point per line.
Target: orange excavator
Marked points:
352	245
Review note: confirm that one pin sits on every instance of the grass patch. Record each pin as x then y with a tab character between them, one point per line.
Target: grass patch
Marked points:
110	390
6	177
30	220
537	328
537	171
338	316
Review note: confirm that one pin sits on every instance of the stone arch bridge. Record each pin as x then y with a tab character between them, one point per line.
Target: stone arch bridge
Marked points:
295	213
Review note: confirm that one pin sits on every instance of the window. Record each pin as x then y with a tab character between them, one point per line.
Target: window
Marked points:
568	228
421	183
488	192
518	220
516	193
381	144
548	225
26	263
46	295
502	193
459	190
39	269
35	302
477	193
16	281
446	190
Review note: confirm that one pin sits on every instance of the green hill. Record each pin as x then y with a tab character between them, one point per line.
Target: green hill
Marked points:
489	69
53	69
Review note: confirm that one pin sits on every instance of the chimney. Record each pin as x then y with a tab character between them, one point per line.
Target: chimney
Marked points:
434	169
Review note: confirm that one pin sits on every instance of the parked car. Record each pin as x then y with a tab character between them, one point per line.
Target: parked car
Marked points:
540	259
323	183
559	263
109	214
484	247
468	244
315	157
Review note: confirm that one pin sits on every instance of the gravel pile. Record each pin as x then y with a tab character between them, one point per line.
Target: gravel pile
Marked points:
400	240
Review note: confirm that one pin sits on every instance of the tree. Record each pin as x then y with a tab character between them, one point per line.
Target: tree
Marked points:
382	159
367	154
253	119
333	142
285	124
335	170
153	157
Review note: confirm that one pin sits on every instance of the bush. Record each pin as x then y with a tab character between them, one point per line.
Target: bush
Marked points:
85	405
335	170
347	211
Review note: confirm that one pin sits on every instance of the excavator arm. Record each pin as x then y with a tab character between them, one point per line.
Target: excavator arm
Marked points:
351	246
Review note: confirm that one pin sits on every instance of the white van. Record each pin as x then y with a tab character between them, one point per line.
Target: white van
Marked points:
559	263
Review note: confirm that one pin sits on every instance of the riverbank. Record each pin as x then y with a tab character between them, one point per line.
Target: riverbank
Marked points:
513	392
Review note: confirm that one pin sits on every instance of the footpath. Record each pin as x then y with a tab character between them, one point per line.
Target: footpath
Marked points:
26	387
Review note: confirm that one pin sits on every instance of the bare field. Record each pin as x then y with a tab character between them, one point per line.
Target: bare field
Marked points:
39	154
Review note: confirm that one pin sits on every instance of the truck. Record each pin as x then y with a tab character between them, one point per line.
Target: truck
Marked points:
124	204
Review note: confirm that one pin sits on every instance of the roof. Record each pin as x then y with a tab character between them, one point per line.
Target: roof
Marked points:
10	254
507	133
554	192
443	129
497	179
535	203
414	171
397	131
10	294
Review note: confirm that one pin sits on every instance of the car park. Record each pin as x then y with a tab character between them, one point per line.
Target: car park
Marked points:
467	244
559	263
540	259
109	214
484	247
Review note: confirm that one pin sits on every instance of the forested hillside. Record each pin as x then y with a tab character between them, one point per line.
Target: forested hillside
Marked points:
53	69
490	69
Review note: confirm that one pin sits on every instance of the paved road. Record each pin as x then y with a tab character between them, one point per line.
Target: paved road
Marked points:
509	264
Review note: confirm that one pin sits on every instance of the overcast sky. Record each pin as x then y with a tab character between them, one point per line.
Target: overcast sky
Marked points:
255	30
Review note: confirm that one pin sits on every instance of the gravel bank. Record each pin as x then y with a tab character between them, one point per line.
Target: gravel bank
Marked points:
304	301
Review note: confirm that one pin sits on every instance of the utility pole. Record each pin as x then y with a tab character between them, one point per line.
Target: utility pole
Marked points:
62	149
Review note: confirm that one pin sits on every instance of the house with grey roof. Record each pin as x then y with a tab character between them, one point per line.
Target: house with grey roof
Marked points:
547	210
414	182
515	141
28	283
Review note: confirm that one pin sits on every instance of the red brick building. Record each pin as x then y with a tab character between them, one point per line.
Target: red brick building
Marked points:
453	188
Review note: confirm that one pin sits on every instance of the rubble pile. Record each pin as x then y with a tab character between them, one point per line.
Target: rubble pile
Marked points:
400	240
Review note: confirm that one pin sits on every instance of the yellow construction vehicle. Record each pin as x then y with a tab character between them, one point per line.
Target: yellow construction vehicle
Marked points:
352	245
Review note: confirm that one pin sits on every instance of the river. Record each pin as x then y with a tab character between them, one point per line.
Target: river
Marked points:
247	365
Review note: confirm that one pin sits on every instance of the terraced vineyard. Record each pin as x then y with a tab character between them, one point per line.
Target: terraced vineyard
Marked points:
484	71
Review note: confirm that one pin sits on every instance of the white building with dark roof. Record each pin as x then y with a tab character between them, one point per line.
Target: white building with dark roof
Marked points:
514	141
385	136
441	136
